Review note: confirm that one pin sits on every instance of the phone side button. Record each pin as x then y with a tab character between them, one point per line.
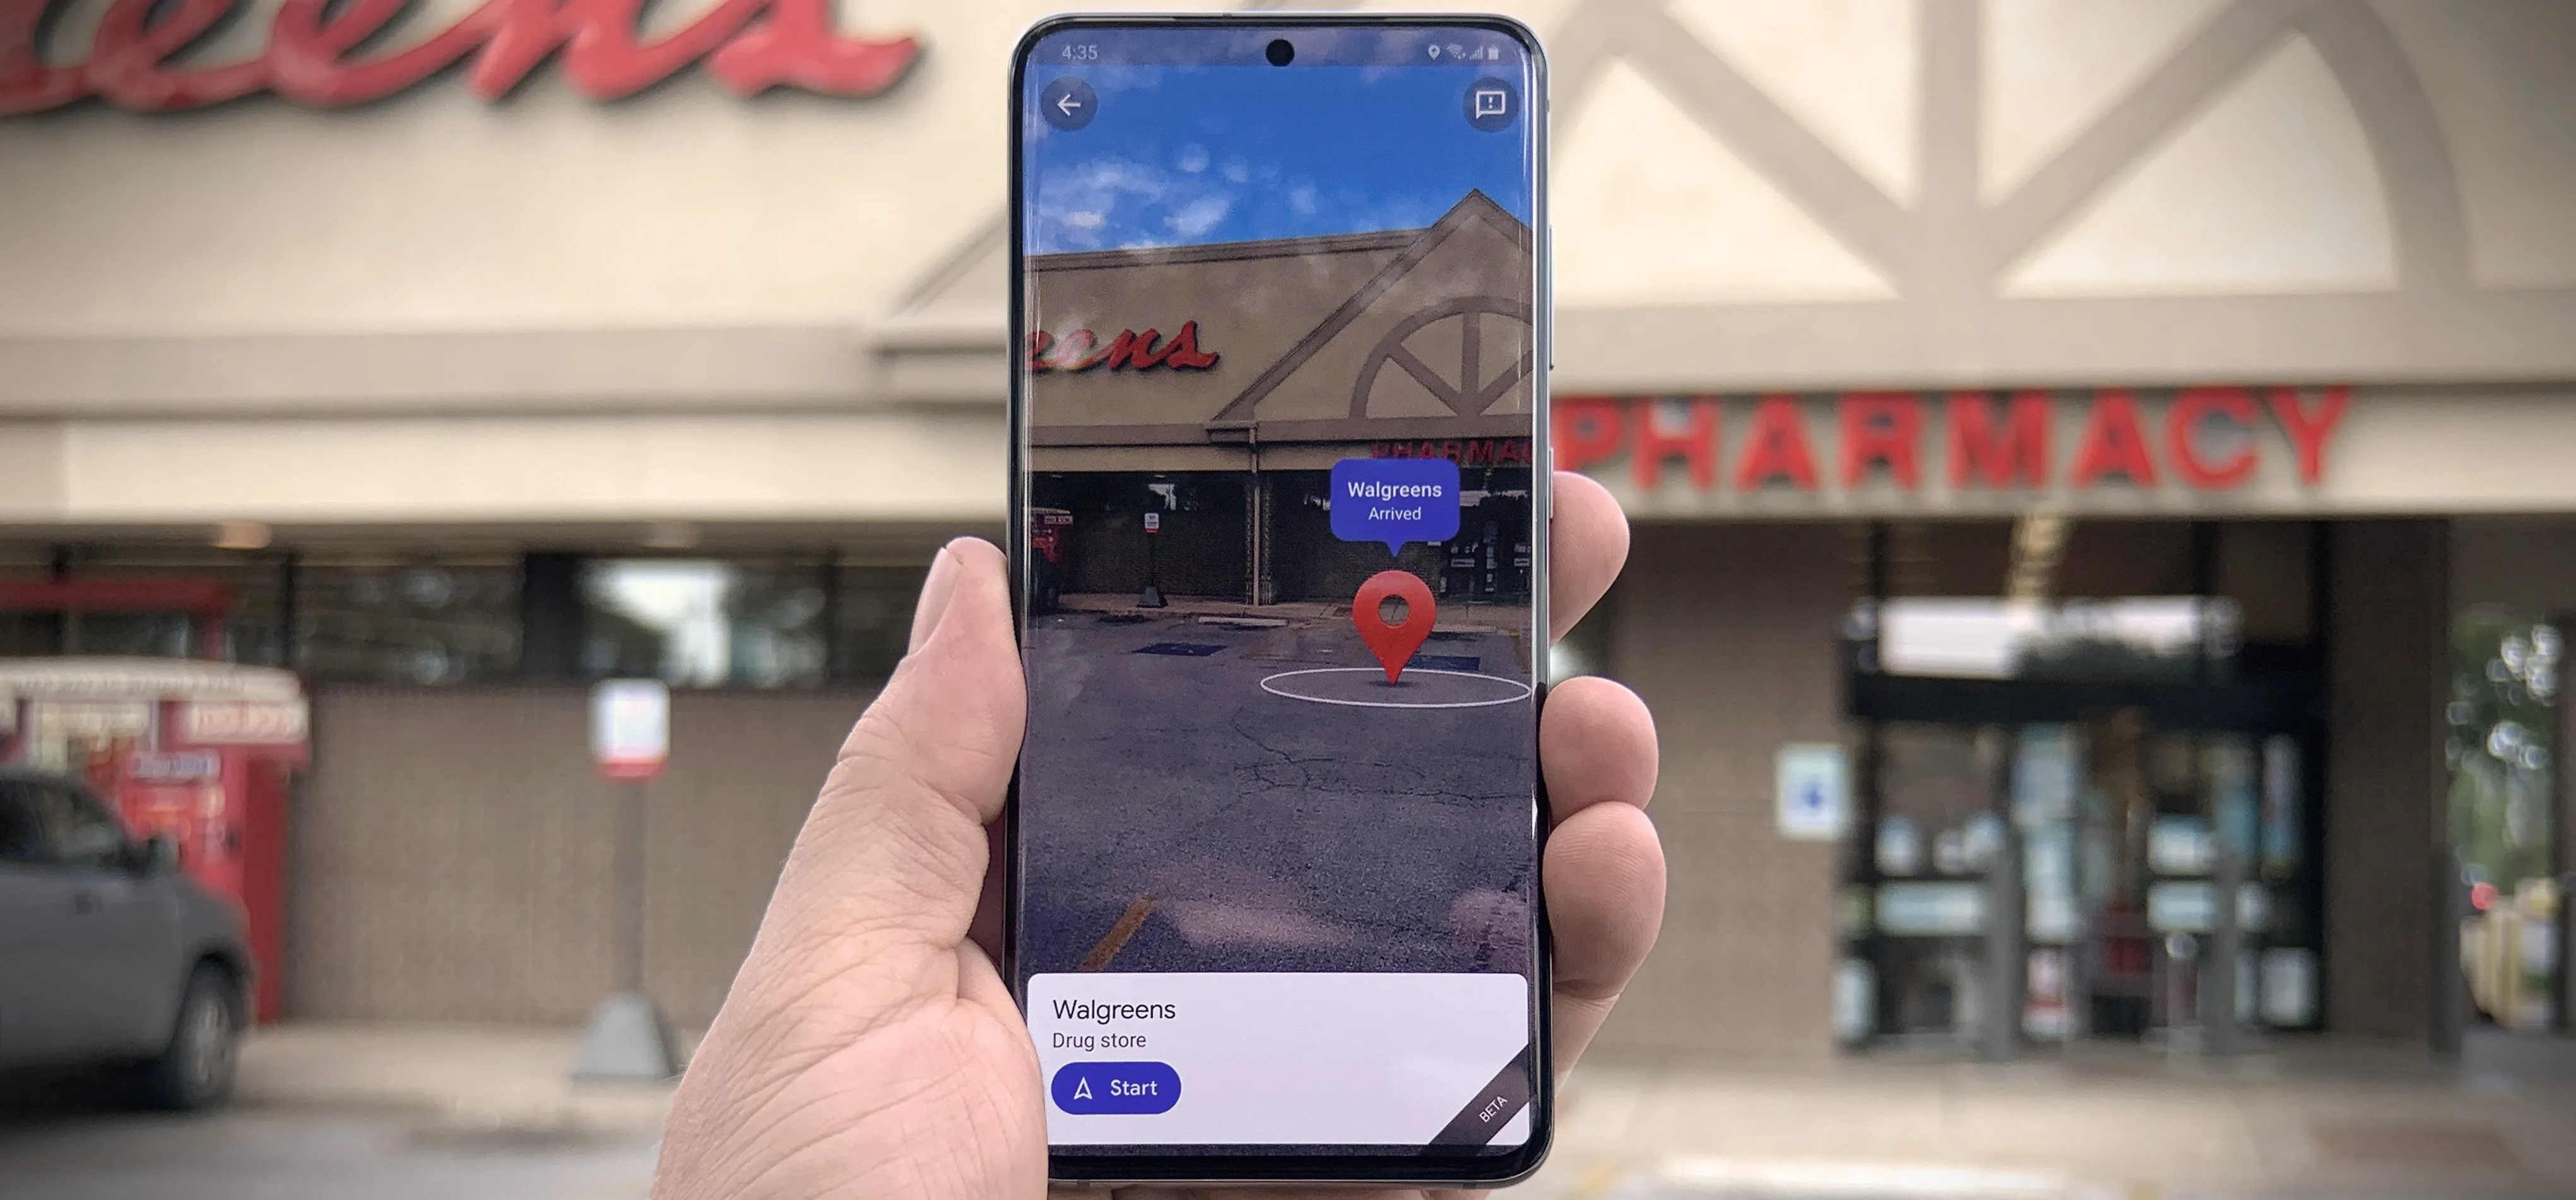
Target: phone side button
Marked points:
1086	1088
1547	291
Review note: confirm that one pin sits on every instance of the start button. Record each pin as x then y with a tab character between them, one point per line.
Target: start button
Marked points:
1085	1088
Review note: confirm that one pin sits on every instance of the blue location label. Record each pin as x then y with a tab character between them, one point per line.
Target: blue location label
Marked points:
1084	1088
1395	500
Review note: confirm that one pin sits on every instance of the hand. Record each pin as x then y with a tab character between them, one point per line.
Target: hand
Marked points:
870	1048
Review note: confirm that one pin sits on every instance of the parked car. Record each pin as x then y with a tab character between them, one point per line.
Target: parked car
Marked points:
109	954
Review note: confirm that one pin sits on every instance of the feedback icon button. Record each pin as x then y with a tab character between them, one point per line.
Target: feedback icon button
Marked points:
1086	1088
1491	104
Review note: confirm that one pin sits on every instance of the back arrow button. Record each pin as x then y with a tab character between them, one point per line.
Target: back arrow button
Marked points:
1068	104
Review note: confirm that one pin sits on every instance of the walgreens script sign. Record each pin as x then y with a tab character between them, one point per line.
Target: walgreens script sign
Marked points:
329	53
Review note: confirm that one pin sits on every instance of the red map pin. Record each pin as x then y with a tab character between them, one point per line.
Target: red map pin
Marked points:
1394	644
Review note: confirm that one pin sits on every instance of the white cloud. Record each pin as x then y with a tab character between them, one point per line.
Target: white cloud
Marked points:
1198	216
1113	202
1119	175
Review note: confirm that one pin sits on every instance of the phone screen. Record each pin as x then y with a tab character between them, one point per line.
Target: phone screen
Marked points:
1279	380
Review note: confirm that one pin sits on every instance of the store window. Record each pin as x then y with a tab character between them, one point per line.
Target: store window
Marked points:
21	633
464	618
251	629
705	622
417	621
2503	754
747	622
872	624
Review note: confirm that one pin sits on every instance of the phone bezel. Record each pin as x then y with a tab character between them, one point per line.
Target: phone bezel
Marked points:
1400	1165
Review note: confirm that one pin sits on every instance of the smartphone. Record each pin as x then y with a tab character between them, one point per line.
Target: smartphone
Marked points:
1278	415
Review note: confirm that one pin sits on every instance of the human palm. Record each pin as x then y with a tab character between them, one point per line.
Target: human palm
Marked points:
870	1048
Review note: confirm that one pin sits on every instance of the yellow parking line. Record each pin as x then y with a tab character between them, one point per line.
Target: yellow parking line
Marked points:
1110	943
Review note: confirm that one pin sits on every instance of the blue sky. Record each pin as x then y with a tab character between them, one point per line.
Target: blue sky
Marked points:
1188	155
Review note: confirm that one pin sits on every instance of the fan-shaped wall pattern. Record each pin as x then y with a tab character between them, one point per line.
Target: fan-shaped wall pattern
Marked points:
2496	74
1762	193
1650	208
1467	356
2272	188
1843	68
2052	67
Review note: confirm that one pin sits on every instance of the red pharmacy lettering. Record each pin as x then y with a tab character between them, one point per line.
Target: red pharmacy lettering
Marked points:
1881	427
2309	430
1589	429
1981	455
1777	447
1695	445
2193	408
2111	442
2210	438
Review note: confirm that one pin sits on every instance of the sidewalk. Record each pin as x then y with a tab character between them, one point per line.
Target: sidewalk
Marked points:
2319	1120
504	1082
2316	1120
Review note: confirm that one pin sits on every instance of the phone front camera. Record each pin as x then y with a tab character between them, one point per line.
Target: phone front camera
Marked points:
1282	52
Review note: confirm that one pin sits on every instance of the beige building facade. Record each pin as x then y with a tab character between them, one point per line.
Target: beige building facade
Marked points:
2267	302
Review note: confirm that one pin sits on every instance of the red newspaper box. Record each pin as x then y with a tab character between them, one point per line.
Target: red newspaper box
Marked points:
200	752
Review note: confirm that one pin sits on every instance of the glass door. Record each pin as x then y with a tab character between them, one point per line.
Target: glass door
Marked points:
2064	878
1937	837
2086	782
2136	833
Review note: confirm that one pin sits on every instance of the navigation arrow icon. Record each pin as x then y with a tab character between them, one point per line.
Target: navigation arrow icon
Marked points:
1068	104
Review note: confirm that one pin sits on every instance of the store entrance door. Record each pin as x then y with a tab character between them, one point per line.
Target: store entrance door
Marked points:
2041	863
2087	783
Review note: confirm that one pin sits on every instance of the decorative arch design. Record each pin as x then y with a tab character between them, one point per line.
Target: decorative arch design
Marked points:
2415	170
1947	253
1471	391
2413	160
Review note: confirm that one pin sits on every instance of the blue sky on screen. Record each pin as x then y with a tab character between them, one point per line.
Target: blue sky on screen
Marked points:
1183	156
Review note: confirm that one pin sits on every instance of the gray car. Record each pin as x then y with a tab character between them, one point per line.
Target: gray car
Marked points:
109	954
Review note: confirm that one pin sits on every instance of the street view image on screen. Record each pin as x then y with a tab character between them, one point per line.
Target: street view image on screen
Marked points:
1280	374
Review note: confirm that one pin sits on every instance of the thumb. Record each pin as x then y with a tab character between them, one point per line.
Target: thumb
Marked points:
895	844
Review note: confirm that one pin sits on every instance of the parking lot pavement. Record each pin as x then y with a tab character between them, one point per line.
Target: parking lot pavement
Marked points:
59	1143
1705	1179
1195	820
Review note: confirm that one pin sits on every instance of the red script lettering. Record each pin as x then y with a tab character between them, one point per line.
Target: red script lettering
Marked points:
1080	350
748	46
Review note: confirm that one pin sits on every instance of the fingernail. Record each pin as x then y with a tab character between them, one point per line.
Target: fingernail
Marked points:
937	589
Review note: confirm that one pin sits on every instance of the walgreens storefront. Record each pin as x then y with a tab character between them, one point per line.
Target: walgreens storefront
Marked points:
434	382
1225	430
